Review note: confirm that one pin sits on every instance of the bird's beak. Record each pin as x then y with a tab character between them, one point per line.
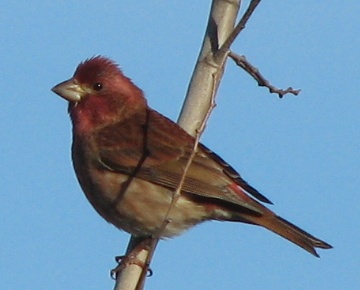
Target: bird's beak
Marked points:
69	90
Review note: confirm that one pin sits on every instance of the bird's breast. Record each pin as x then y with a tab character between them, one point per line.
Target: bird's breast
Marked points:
132	204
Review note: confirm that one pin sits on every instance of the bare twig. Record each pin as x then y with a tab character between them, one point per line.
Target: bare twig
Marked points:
225	47
241	61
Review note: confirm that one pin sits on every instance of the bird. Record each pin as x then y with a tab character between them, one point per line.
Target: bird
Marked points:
129	160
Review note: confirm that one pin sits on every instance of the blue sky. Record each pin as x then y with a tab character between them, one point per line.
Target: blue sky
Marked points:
302	152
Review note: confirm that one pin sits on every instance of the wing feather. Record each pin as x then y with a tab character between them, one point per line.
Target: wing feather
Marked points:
164	148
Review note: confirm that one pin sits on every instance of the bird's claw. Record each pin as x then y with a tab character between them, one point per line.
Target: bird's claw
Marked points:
124	261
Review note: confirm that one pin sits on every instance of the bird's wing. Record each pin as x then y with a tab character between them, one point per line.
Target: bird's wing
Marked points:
159	151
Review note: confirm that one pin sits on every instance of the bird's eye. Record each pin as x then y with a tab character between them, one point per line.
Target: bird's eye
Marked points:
97	86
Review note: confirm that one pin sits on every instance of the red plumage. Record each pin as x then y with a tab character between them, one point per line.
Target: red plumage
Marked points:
129	159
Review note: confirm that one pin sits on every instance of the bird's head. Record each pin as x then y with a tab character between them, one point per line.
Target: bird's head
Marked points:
98	92
96	76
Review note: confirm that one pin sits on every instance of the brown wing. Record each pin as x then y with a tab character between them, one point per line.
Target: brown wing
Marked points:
158	150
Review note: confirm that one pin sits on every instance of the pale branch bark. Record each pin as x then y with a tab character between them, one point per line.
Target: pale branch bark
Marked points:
225	47
198	104
242	62
129	278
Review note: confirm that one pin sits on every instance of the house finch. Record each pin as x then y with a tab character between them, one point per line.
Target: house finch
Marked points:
129	160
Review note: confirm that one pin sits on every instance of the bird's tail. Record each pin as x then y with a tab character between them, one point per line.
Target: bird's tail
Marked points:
288	230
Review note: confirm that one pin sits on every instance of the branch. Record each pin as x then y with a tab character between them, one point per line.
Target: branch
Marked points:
129	277
225	47
197	102
242	62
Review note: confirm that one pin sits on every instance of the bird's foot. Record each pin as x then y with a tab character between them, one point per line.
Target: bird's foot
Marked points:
132	259
124	261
